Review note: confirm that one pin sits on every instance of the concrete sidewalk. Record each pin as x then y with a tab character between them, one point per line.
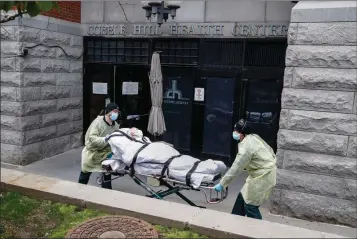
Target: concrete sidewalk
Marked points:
67	167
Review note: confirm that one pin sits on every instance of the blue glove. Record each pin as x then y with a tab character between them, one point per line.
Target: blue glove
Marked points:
218	187
110	155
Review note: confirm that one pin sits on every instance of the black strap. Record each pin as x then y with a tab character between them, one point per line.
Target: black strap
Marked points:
145	144
189	174
167	164
135	158
125	135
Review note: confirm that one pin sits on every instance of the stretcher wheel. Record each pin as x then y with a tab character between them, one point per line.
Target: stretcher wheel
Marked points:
214	200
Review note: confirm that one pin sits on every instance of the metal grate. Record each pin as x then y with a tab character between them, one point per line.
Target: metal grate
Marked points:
118	51
263	54
178	51
227	53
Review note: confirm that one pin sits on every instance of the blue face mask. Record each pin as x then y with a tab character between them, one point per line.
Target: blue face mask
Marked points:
236	136
114	116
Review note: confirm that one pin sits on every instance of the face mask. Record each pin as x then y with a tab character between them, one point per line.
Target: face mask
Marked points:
114	116
236	136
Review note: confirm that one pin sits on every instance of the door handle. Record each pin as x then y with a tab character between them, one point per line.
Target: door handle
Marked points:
210	118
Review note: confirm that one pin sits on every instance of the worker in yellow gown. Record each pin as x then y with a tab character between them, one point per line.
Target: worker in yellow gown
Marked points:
96	146
259	159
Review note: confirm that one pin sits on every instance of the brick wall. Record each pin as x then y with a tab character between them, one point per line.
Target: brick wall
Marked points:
69	11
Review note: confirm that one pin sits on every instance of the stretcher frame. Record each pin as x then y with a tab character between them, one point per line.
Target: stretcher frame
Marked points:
173	187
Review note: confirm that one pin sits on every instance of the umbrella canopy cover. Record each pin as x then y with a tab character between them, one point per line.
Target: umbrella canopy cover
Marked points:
156	125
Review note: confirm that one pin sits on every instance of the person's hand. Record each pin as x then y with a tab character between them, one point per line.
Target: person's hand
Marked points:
218	187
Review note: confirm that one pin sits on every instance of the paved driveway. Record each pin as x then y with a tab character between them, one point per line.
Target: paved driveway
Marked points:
67	167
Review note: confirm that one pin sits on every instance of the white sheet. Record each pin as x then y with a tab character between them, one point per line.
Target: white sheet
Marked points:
151	159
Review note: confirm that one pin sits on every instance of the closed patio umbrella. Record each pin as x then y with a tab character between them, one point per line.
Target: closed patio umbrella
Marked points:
156	125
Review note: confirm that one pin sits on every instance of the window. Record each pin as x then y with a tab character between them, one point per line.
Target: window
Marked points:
118	51
178	51
226	53
247	52
265	54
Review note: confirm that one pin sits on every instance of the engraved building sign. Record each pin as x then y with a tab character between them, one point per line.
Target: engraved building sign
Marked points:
190	30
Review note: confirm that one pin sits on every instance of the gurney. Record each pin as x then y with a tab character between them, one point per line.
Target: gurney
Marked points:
122	163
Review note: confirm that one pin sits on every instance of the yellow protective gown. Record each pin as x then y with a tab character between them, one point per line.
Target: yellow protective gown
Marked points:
258	158
96	149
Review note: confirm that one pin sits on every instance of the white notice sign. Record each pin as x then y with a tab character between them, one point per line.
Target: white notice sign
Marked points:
130	88
100	88
199	94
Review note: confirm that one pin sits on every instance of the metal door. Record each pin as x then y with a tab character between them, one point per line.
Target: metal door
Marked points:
132	94
262	103
219	106
213	116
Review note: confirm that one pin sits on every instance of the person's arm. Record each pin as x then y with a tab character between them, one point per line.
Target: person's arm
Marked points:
95	140
241	161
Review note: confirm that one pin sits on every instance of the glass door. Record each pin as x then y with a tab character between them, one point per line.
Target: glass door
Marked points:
177	106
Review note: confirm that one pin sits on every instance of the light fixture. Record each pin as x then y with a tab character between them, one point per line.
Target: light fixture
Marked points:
162	12
154	7
172	9
148	11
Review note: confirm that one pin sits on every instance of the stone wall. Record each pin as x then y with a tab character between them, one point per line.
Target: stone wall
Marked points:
41	93
198	11
317	143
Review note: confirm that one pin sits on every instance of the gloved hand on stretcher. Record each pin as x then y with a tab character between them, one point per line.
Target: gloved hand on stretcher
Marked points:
218	187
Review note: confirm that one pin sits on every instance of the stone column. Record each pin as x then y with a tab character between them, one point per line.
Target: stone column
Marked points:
317	143
41	93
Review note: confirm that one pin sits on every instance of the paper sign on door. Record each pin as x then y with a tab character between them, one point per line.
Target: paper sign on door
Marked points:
199	94
100	88
130	88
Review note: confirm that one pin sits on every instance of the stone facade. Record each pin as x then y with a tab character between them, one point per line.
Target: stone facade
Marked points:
317	149
41	93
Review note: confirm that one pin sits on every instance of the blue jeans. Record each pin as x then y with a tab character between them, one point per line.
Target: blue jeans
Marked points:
242	209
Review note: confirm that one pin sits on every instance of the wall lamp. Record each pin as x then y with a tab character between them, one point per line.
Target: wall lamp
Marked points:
161	11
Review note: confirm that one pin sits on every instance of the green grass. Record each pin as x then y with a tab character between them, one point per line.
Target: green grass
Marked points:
176	233
22	216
